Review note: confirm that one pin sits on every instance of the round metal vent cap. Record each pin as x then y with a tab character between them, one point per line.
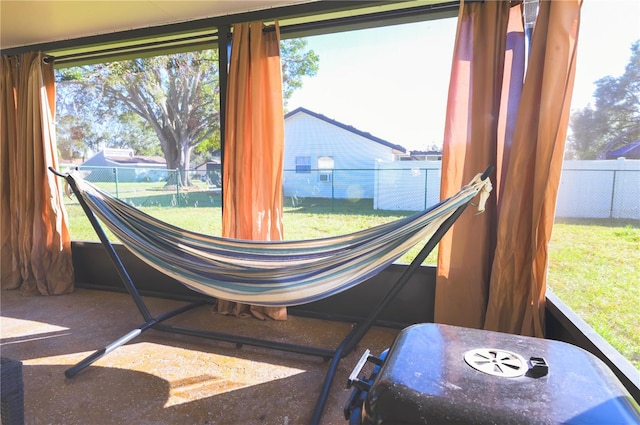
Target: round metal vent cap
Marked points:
496	362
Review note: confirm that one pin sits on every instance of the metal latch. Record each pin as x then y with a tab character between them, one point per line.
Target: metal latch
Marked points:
538	367
353	380
362	385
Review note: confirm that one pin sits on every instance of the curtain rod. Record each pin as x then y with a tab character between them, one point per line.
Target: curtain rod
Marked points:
311	27
191	41
197	24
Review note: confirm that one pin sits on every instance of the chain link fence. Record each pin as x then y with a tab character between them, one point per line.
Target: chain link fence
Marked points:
588	189
143	187
599	193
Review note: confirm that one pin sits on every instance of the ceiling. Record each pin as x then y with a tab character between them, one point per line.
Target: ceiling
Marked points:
26	22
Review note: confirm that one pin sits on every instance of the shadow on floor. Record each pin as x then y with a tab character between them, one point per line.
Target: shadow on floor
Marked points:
162	378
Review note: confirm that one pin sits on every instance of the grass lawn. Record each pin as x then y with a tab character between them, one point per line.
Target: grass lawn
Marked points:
594	265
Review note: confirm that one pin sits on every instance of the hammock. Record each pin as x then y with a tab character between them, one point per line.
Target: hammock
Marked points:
274	273
265	273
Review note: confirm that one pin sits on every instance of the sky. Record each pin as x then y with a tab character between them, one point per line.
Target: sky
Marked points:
403	100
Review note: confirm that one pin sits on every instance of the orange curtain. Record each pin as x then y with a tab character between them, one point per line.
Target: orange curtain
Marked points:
254	147
491	268
470	145
36	246
518	276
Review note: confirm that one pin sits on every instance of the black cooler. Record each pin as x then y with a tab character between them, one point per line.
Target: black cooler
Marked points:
438	374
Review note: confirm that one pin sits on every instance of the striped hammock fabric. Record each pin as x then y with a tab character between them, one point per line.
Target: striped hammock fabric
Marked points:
280	273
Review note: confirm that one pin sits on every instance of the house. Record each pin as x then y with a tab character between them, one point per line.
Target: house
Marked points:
628	151
210	172
325	158
430	155
126	164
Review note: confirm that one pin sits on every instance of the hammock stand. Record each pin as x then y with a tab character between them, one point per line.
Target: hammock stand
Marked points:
347	345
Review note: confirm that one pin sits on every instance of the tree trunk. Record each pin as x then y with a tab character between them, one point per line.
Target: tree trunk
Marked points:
186	163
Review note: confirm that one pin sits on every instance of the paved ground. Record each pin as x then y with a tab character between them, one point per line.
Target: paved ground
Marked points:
161	378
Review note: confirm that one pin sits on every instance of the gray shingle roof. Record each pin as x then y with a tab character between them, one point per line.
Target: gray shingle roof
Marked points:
346	127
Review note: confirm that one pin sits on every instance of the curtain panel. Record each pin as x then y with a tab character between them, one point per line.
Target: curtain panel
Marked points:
492	268
518	279
253	147
36	245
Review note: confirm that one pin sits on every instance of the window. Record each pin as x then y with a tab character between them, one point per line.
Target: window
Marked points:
325	163
111	117
303	164
594	253
380	94
337	117
324	176
325	168
348	135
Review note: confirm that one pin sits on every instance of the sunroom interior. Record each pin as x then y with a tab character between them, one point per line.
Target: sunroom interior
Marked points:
149	376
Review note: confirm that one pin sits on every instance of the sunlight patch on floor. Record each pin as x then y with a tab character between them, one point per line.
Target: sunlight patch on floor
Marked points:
28	330
232	374
194	374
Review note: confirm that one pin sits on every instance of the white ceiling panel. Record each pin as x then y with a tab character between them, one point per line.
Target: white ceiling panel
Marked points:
27	22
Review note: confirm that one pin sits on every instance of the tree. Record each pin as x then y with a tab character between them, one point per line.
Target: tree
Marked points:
85	123
296	63
615	119
177	96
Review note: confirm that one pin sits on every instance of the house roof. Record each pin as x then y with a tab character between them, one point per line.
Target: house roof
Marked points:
346	127
215	161
126	156
429	152
138	160
630	151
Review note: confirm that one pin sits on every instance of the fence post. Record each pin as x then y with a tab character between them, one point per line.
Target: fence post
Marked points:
332	190
426	185
115	173
178	180
613	194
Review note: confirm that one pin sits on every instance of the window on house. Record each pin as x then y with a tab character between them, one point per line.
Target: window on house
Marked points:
325	168
325	163
303	164
324	176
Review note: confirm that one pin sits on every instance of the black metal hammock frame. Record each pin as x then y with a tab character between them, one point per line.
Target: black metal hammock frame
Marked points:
347	345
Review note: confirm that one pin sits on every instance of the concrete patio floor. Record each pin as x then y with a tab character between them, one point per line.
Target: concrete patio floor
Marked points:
162	378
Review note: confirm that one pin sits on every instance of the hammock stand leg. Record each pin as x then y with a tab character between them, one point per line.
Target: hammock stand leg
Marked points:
361	328
88	361
345	347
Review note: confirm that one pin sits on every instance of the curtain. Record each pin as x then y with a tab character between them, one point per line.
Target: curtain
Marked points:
470	145
254	147
492	268
36	245
518	278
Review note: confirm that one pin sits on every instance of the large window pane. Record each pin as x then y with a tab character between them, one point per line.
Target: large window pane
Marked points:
146	130
594	255
357	134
